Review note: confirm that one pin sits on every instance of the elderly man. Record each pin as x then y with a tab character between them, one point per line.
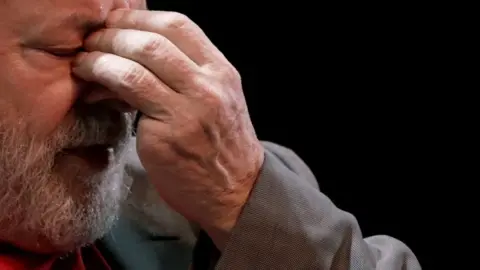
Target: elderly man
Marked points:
73	74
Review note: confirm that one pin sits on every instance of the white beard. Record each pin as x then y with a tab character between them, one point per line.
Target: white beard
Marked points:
56	207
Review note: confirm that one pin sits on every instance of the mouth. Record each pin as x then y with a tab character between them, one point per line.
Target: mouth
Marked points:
97	156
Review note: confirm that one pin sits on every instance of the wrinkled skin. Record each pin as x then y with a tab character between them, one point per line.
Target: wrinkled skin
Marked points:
195	138
53	200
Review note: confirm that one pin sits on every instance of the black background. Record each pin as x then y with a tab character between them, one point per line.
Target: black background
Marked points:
344	87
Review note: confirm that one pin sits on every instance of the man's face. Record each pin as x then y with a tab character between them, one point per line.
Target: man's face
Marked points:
62	139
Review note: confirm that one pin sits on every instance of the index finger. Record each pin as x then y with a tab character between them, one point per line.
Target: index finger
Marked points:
176	27
132	82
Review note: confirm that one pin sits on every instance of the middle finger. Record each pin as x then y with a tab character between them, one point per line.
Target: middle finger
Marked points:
151	50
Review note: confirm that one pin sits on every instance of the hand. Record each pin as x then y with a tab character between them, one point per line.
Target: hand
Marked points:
195	138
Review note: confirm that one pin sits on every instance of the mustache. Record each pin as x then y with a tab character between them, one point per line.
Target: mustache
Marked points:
97	125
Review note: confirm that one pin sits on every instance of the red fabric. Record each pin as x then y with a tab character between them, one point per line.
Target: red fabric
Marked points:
82	259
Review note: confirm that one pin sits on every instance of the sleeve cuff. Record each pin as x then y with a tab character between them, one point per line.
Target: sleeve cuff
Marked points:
205	253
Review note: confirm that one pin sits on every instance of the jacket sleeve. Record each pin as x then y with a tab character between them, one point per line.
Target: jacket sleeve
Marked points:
288	223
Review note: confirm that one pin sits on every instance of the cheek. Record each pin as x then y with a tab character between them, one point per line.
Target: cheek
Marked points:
41	97
51	108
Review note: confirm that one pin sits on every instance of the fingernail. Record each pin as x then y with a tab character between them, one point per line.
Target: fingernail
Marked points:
114	17
79	59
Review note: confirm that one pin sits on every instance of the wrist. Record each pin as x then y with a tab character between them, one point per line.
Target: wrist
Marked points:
232	205
220	227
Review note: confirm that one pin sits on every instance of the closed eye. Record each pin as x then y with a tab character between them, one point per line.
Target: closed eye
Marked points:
64	52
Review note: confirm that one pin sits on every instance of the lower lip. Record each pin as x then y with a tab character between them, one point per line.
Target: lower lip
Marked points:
95	156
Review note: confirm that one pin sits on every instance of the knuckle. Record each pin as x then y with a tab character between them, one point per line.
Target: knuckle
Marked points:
222	92
95	38
209	92
214	100
114	17
226	74
153	45
133	77
177	20
230	73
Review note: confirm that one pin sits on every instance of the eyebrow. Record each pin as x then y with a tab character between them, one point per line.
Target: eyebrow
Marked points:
75	26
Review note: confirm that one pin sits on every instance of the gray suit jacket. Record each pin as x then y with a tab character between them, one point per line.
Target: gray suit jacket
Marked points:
288	223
